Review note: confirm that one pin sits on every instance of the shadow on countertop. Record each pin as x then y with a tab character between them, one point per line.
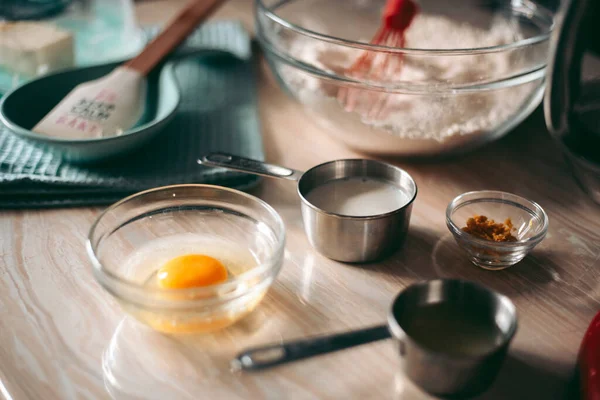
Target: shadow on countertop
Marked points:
526	376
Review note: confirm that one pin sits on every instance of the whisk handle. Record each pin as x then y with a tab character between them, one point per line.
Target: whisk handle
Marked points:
398	14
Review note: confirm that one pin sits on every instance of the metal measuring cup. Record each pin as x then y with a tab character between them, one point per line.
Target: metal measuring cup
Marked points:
339	237
437	372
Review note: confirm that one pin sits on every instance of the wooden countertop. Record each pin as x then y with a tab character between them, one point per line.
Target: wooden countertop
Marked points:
63	337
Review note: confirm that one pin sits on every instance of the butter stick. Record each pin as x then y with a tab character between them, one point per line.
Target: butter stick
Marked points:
33	48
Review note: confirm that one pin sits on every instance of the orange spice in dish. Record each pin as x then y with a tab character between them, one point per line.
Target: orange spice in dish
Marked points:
482	227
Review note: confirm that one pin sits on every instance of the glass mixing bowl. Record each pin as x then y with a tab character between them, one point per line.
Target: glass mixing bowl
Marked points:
470	72
219	215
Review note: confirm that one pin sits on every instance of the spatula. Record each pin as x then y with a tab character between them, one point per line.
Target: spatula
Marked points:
114	103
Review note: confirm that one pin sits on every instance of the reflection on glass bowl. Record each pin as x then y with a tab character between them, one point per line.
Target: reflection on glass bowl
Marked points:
140	363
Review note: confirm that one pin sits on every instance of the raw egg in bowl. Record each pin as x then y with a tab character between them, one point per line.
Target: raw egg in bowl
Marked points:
187	258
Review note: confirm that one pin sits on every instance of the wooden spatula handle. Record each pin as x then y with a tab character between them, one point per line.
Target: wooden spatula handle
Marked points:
173	34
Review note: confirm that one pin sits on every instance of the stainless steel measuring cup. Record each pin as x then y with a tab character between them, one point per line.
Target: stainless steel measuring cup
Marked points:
439	372
339	237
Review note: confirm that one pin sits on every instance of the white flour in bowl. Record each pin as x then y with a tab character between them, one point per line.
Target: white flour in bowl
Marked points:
433	116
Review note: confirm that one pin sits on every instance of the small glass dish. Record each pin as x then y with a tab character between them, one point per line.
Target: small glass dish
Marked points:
529	220
161	221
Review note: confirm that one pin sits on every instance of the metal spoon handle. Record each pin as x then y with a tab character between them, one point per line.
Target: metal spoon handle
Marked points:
282	353
250	166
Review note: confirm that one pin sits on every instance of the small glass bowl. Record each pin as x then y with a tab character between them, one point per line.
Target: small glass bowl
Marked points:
230	216
529	220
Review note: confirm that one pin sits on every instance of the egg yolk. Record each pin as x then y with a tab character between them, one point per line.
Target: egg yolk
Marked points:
192	270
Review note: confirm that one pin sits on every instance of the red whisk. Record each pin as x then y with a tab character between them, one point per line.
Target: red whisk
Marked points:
397	17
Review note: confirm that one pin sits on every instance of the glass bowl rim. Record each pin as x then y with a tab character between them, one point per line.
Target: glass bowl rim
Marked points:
531	205
261	7
103	275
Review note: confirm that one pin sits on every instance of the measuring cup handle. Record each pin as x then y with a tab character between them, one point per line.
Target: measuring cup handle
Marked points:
272	355
250	166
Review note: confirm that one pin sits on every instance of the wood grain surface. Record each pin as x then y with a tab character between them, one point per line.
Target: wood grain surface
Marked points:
63	337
